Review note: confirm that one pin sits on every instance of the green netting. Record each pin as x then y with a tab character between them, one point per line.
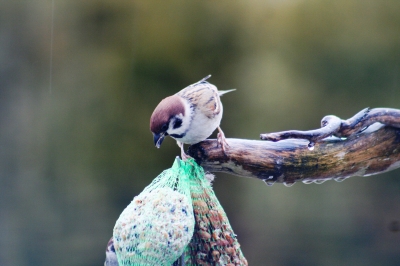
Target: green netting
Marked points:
178	213
213	242
158	224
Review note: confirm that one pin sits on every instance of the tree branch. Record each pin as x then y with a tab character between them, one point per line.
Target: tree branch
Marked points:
361	147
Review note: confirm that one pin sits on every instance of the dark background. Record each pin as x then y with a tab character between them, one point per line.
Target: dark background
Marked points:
75	144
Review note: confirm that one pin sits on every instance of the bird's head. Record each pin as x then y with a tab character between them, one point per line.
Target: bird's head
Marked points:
168	119
111	256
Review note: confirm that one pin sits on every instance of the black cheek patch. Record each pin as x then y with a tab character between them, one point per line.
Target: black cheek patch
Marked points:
178	123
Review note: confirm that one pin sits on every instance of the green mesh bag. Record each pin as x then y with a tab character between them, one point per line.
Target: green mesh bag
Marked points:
156	227
213	242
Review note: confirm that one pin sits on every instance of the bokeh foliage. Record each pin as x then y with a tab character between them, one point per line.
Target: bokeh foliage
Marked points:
74	153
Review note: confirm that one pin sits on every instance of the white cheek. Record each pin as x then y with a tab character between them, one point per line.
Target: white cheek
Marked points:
180	130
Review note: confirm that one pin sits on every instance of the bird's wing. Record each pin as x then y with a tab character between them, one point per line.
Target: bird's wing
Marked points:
204	96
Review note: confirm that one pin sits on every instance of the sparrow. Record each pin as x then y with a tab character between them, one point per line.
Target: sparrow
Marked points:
189	116
111	256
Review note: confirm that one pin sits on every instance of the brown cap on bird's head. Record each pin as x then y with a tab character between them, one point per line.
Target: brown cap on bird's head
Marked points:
165	110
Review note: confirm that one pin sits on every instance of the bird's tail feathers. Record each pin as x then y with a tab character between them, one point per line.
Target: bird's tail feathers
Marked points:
220	93
203	80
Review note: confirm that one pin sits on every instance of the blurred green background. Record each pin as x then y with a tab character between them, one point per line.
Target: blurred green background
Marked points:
75	143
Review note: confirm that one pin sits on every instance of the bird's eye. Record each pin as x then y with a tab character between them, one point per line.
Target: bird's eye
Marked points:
178	123
164	128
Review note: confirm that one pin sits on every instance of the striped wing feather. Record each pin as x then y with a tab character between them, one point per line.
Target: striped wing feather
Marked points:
205	96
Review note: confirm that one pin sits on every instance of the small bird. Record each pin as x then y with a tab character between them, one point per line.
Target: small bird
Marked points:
111	256
189	116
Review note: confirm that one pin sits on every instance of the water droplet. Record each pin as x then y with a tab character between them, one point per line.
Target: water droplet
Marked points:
319	181
307	181
340	179
288	184
311	146
269	183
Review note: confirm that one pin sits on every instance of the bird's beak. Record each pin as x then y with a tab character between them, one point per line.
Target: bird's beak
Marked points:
158	139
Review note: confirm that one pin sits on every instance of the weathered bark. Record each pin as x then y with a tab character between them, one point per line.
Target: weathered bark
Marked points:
372	151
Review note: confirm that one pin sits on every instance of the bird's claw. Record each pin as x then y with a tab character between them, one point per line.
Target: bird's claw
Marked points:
185	157
221	140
